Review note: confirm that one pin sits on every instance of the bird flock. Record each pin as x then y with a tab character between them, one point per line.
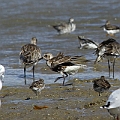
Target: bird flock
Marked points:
30	55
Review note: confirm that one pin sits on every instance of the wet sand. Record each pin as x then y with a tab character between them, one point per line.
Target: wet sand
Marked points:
74	102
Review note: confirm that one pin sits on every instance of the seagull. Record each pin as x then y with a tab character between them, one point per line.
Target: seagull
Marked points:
63	28
2	71
113	104
109	49
63	64
30	55
100	85
86	43
110	29
37	86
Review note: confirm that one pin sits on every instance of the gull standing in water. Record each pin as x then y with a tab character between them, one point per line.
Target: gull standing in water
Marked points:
30	55
63	28
109	49
113	104
110	29
2	71
63	64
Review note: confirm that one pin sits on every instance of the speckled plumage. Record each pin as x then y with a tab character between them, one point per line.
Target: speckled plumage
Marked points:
109	49
37	86
63	64
30	55
101	85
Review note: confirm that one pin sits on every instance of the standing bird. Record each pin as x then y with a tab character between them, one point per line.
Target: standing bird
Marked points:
30	55
63	28
109	49
86	43
2	71
37	86
113	104
110	29
101	85
63	64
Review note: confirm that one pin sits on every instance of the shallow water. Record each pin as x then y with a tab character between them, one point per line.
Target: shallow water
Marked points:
21	20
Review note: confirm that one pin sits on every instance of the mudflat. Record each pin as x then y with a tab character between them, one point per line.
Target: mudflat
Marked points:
56	102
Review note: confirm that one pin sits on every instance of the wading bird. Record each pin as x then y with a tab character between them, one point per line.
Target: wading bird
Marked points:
109	49
30	55
63	28
63	64
110	29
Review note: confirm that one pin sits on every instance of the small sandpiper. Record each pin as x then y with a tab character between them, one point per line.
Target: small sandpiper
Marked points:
86	43
113	104
63	28
110	29
63	64
101	85
37	86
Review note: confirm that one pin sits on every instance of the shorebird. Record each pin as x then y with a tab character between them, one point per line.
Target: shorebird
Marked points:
63	28
37	86
110	29
101	85
2	71
113	104
30	55
109	49
63	64
86	43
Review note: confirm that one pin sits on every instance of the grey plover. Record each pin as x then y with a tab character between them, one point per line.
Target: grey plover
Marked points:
30	55
86	43
63	64
113	104
37	86
2	71
110	29
101	85
63	28
109	49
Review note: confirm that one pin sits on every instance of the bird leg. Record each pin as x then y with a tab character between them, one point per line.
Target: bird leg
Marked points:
24	71
62	77
33	71
112	35
113	67
109	67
